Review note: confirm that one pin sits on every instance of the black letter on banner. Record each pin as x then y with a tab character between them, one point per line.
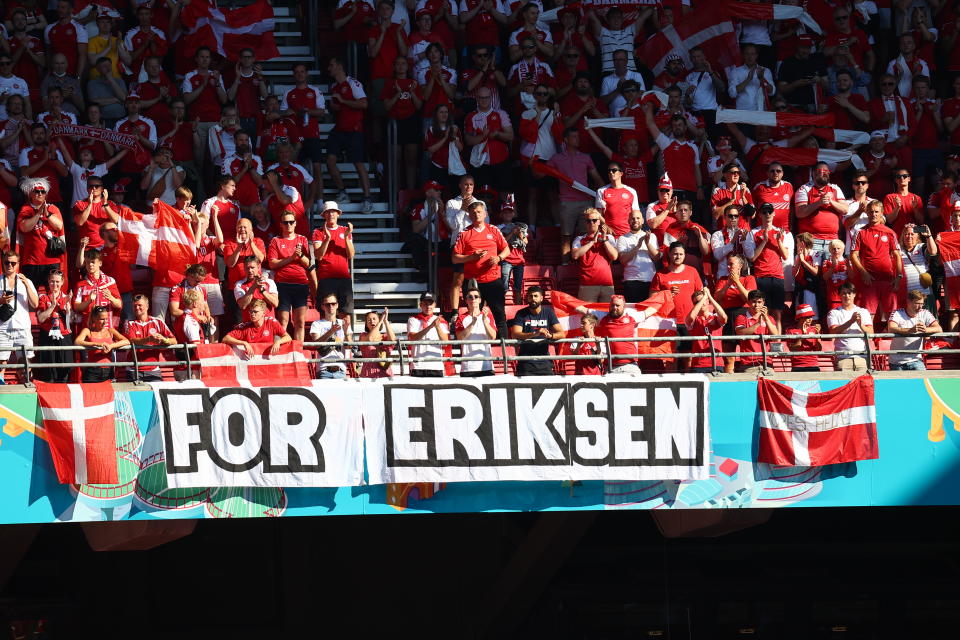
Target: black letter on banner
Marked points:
595	426
245	432
422	436
534	411
298	435
198	419
677	395
470	443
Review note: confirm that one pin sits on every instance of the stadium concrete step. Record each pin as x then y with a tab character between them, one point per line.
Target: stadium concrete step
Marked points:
389	287
366	271
377	247
367	231
297	50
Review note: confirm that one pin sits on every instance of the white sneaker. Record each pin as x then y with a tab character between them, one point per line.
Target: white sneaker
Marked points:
367	206
343	198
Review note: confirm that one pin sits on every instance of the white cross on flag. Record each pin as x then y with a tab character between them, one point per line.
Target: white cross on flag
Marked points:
222	365
814	429
78	420
162	241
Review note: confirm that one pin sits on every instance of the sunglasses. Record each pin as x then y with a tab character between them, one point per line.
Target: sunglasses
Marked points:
860	182
572	55
541	93
95	186
39	191
593	220
903	176
775	171
8	263
614	171
330	304
664	190
473	297
289	222
734	173
733	216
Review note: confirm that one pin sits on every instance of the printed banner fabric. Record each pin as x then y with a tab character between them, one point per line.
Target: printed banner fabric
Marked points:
814	429
78	420
264	437
554	428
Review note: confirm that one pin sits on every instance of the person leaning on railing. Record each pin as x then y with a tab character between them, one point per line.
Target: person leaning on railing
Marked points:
535	326
911	323
427	325
144	330
855	321
476	323
756	321
329	327
102	340
376	329
260	329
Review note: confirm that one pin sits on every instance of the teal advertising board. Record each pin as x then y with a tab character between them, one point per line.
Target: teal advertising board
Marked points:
919	464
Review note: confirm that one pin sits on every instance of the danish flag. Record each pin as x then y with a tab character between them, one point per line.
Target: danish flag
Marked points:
164	241
814	429
78	420
224	366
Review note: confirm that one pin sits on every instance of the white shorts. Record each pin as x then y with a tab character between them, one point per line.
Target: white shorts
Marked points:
11	339
214	298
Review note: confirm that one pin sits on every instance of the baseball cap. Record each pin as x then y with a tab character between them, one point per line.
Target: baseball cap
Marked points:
432	184
879	133
665	182
804	311
426	296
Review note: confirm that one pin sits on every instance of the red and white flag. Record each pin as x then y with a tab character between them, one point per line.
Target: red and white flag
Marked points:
657	310
846	136
752	11
227	31
949	245
775	118
541	167
162	241
807	157
78	420
222	365
814	429
710	30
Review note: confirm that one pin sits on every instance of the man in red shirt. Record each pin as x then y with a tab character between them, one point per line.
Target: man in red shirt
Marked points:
617	201
594	251
694	238
902	207
121	272
247	88
296	175
876	257
304	105
480	248
144	330
349	102
850	109
146	133
240	247
333	251
619	322
681	157
777	192
68	37
204	94
679	279
768	248
96	290
925	137
223	206
755	322
820	207
260	329
27	56
246	169
489	133
284	198
89	214
735	191
156	95
144	40
256	286
182	138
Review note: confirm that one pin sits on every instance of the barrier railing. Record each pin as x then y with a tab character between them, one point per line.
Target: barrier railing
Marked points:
132	361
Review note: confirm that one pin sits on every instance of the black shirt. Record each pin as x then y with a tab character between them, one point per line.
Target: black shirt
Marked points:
528	321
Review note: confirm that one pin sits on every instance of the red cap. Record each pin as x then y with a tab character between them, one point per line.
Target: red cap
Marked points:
432	184
804	311
422	12
804	41
120	186
665	182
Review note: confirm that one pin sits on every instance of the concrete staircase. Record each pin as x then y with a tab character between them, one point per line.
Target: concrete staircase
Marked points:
383	275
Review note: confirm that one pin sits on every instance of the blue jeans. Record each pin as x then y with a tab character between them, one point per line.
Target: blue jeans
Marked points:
339	374
516	270
909	365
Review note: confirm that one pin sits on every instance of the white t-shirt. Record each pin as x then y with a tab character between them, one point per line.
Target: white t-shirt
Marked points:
21	313
80	175
914	342
838	316
320	327
415	324
641	266
477	332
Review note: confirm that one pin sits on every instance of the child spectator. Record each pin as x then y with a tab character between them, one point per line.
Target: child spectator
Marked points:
705	319
833	270
516	234
755	322
804	316
53	312
855	321
589	345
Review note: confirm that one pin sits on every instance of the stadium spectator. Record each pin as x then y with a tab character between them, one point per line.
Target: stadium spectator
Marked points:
528	72
905	67
729	239
162	177
579	104
610	88
43	160
517	235
616	201
572	162
736	192
679	279
194	325
530	29
876	259
488	133
940	202
255	285
204	94
53	309
143	41
39	223
333	251
910	324
70	86
681	156
21	295
27	56
802	75
101	339
106	90
377	328
767	248
694	238
834	270
481	248
143	129
704	85
481	18
476	323
483	73
289	256
850	320
756	321
402	102
259	329
208	237
246	169
892	113
285	198
157	93
639	253
456	218
97	290
594	252
95	208
239	247
616	36
110	254
348	101
105	44
535	326
54	113
902	206
66	36
443	142
856	217
11	85
732	292
820	206
750	84
918	249
806	324
588	345
144	330
806	273
850	109
247	88
192	279
427	325
221	140
660	214
705	318
620	322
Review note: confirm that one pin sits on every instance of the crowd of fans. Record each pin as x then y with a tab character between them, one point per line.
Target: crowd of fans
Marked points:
489	97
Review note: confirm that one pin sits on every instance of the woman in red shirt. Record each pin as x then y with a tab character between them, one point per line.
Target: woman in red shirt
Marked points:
39	223
102	339
289	257
441	134
52	310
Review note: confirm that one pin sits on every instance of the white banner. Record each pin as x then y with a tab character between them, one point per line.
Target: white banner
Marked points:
551	428
261	437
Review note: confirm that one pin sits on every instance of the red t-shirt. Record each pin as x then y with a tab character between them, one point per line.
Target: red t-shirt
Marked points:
595	263
753	345
844	119
806	344
769	264
705	326
336	261
381	66
65	38
159	112
33	248
207	105
238	272
228	213
720	196
403	108
910	205
876	245
136	329
91	228
824	223
688	280
207	256
780	197
308	97
144	127
121	273
681	160
276	208
482	28
176	293
293	272
635	172
470	240
348	118
249	332
59	316
617	205
100	286
494	120
623	327
731	298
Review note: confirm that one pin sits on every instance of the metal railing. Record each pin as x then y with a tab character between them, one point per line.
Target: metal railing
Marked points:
400	354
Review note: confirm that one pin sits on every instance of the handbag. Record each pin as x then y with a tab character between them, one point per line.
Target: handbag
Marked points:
56	246
925	278
158	187
6	309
